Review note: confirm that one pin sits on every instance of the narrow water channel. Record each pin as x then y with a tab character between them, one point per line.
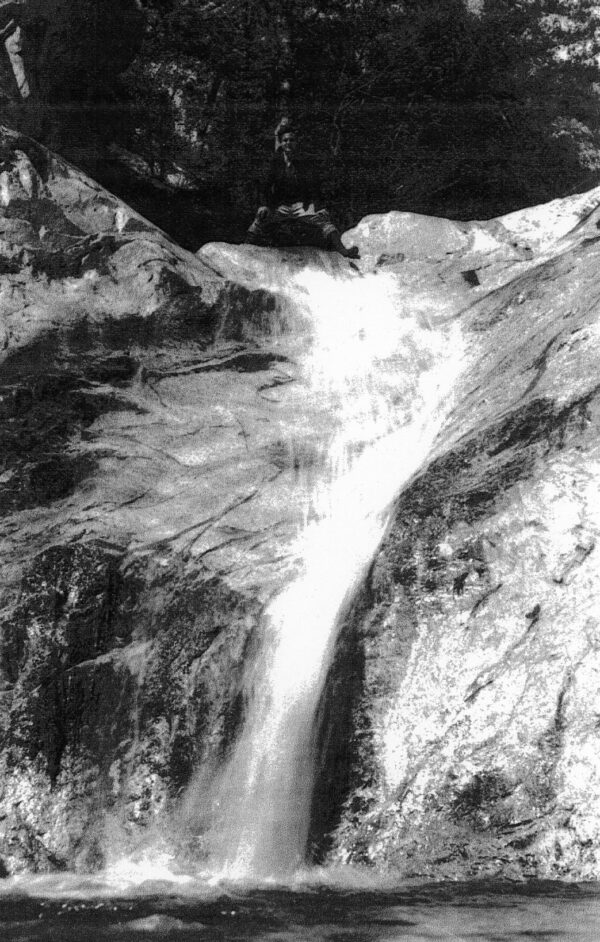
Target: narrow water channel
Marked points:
387	379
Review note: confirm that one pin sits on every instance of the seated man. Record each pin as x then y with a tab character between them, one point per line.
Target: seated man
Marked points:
291	214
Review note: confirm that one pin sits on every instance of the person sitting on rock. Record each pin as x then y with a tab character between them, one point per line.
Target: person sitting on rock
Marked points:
291	213
11	34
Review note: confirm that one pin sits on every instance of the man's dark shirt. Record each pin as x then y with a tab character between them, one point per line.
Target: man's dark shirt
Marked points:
295	184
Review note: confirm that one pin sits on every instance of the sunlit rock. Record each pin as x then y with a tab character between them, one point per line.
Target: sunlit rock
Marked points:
475	716
158	450
167	424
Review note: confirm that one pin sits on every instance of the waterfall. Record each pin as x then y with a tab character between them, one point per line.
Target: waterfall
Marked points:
386	377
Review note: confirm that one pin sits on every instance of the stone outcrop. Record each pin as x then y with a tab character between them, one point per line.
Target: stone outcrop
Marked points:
156	453
152	485
148	503
475	715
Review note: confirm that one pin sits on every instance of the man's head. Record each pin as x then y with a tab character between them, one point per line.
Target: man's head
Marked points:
288	142
286	136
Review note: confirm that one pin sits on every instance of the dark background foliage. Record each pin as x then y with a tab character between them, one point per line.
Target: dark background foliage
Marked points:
448	107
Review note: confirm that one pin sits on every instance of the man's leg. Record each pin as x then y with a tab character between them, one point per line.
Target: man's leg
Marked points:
328	236
14	47
260	230
271	228
336	244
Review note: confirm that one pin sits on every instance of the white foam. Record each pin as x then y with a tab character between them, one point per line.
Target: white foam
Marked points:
388	380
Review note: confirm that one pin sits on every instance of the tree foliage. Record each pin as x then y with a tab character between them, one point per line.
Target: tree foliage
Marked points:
441	106
77	48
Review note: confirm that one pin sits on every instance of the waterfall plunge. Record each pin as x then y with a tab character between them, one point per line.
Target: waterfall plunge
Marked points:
387	378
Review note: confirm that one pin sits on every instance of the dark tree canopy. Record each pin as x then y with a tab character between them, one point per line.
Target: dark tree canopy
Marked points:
78	48
452	107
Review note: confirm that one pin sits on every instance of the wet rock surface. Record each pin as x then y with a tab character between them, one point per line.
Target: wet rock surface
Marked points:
475	720
149	500
157	449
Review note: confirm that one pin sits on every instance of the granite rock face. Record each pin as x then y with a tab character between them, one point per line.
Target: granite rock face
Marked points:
475	716
149	503
158	446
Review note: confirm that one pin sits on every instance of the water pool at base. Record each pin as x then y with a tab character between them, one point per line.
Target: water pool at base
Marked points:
474	912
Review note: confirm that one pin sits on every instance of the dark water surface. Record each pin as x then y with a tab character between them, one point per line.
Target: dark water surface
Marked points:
473	912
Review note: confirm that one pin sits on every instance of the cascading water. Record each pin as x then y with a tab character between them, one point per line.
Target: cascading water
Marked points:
386	378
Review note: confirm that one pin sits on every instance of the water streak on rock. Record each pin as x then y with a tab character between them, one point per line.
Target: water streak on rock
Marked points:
387	379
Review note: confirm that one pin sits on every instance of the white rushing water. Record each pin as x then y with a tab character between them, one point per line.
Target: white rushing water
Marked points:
387	379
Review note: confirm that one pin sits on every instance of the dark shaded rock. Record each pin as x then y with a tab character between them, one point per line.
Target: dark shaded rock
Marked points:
471	277
116	680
